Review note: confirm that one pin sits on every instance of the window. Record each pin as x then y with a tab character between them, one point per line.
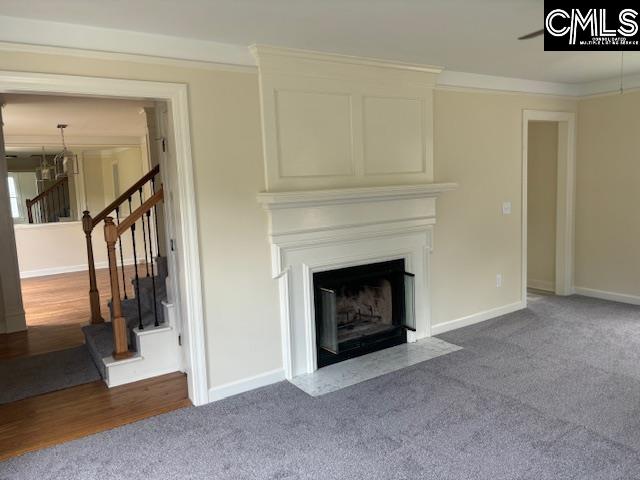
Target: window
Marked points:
14	199
22	185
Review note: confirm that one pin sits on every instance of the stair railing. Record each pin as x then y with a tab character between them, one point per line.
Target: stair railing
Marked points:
50	204
89	223
112	235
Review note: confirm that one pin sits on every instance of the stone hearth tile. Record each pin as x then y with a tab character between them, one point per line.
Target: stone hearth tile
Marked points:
344	374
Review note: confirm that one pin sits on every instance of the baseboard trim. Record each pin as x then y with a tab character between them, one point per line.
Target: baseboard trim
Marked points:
604	295
44	272
476	318
541	285
246	384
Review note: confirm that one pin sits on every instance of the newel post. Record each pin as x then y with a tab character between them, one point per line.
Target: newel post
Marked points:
94	295
120	343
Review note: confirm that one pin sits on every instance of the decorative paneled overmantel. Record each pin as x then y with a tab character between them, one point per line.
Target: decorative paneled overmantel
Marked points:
320	230
339	121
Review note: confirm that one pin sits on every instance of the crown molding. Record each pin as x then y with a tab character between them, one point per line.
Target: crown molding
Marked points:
39	36
452	80
609	86
55	38
260	50
73	140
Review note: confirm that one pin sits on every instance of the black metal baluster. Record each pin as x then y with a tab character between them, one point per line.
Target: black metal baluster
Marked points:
144	236
135	264
153	274
155	214
124	282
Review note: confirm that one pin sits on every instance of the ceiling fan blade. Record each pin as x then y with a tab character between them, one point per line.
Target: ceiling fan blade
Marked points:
537	33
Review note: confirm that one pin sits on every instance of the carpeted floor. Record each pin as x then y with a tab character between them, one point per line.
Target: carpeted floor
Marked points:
552	392
25	377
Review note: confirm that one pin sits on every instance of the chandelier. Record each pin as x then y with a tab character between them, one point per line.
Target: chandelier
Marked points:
65	162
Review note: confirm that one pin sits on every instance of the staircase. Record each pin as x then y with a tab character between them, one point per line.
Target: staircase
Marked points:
151	346
140	340
52	204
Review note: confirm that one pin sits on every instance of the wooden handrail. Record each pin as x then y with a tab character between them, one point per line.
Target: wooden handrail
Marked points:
112	233
88	225
42	195
47	191
141	210
130	191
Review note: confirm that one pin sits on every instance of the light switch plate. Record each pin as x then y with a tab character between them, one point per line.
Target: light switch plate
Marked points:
506	208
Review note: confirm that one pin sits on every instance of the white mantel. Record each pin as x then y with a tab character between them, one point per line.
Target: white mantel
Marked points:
319	230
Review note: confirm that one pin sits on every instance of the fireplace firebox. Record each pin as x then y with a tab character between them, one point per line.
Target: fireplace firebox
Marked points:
362	309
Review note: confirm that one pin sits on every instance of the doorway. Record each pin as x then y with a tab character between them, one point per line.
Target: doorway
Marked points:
179	187
548	202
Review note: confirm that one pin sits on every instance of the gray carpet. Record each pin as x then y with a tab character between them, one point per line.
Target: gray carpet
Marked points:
552	392
28	376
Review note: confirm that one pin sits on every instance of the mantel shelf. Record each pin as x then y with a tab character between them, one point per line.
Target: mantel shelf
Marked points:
307	198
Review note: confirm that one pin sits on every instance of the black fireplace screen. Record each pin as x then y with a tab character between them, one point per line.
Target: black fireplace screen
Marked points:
362	309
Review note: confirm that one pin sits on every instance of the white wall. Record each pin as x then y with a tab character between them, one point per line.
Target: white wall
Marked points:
542	177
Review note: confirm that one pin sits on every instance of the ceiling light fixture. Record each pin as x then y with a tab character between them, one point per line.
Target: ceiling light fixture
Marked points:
66	162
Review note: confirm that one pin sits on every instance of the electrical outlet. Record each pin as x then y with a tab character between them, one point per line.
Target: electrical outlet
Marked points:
506	208
498	280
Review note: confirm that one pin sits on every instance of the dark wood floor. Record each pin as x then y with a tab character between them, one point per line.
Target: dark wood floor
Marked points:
58	417
56	307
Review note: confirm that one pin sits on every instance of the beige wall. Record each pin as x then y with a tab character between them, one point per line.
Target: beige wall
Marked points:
240	299
478	143
608	194
542	177
46	249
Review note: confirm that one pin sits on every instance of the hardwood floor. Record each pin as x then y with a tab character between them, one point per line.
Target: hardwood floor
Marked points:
57	417
56	306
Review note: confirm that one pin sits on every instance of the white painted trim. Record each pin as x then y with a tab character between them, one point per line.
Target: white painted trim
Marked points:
604	295
51	38
114	41
340	196
187	232
473	81
544	285
260	50
246	384
440	328
47	226
73	142
565	226
43	272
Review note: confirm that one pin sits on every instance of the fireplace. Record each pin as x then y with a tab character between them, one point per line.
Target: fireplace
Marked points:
362	309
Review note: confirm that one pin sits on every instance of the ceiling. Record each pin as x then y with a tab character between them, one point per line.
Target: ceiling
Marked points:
476	36
39	115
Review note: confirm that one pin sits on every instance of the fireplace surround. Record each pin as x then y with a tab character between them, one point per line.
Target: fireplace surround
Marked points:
315	232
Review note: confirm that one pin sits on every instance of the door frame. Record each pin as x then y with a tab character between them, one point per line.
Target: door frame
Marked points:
186	232
565	198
